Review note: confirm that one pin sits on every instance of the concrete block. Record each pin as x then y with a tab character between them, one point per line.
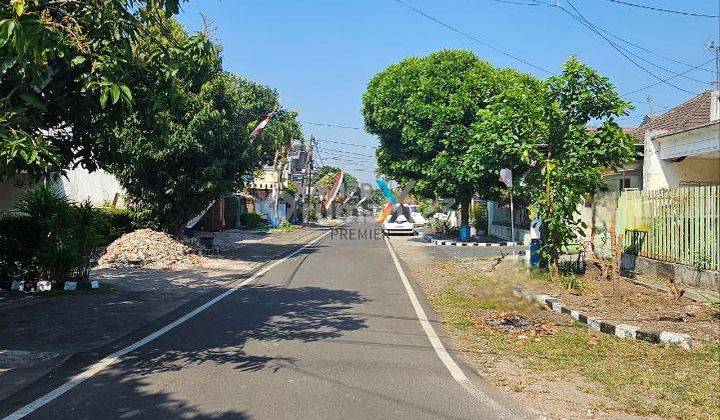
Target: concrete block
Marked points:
575	315
94	284
682	274
593	323
18	286
70	285
43	286
542	298
683	340
626	331
557	307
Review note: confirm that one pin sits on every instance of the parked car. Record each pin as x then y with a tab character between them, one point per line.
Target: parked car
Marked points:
399	226
418	219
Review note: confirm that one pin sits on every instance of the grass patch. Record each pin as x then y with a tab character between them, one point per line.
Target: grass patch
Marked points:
283	229
638	377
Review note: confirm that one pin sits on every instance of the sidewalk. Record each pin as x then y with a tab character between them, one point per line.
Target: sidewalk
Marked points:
40	333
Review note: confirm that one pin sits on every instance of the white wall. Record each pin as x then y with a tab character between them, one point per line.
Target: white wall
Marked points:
10	191
99	187
702	165
80	185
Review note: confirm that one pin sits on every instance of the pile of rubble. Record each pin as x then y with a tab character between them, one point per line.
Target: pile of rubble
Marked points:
150	249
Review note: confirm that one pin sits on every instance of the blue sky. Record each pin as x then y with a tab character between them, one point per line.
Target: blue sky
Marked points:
320	54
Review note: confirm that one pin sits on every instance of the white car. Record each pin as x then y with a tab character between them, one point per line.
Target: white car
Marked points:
399	226
417	217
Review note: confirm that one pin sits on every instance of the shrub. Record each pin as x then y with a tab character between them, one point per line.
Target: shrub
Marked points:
252	220
17	235
479	217
47	218
48	238
113	223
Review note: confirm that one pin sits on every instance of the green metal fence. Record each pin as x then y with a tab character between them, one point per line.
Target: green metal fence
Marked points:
680	225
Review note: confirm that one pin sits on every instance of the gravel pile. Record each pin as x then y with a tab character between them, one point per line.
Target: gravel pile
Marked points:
150	249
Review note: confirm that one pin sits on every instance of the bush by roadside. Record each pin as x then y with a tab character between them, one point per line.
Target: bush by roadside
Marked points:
47	238
252	221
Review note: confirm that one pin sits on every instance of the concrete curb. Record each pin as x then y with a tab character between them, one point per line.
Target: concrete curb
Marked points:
442	242
619	330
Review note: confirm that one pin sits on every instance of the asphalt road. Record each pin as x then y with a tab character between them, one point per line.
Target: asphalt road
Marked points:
330	333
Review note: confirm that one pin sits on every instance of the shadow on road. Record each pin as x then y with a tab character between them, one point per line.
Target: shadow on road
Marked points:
271	314
217	337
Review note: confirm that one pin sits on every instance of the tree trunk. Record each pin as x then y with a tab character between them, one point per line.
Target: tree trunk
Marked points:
464	212
554	256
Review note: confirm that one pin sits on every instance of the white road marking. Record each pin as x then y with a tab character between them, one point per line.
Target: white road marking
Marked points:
117	356
437	345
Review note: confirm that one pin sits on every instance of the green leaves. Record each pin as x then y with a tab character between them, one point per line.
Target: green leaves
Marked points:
63	63
18	6
424	110
7	28
33	100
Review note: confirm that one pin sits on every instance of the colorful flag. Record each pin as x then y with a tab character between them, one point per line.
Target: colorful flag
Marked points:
334	189
258	131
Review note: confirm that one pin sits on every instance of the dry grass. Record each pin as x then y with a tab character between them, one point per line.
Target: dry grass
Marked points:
635	377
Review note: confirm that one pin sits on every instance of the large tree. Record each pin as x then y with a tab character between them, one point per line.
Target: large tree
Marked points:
187	140
59	62
542	131
423	110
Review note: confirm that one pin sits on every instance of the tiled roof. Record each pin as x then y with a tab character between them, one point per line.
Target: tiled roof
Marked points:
693	113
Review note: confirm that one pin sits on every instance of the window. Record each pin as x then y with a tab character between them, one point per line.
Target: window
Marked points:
623	183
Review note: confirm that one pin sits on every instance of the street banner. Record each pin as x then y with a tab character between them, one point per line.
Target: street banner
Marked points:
334	189
260	129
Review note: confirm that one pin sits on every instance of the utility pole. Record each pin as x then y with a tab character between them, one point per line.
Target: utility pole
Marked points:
715	46
308	178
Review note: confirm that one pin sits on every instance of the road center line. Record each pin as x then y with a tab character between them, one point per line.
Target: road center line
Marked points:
116	357
437	345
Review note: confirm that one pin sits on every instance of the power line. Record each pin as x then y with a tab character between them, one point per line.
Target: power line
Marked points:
350	160
351	153
472	37
649	51
348	144
331	125
583	20
665	80
337	158
659	9
521	3
618	37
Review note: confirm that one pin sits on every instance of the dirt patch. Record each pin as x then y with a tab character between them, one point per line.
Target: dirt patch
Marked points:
623	302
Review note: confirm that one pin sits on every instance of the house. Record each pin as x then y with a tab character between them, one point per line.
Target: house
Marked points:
630	175
682	146
263	185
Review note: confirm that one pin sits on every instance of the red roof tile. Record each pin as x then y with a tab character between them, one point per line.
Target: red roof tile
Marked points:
693	113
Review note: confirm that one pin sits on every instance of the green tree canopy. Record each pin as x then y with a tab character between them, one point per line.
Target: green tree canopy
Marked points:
542	131
423	110
185	142
325	175
58	61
